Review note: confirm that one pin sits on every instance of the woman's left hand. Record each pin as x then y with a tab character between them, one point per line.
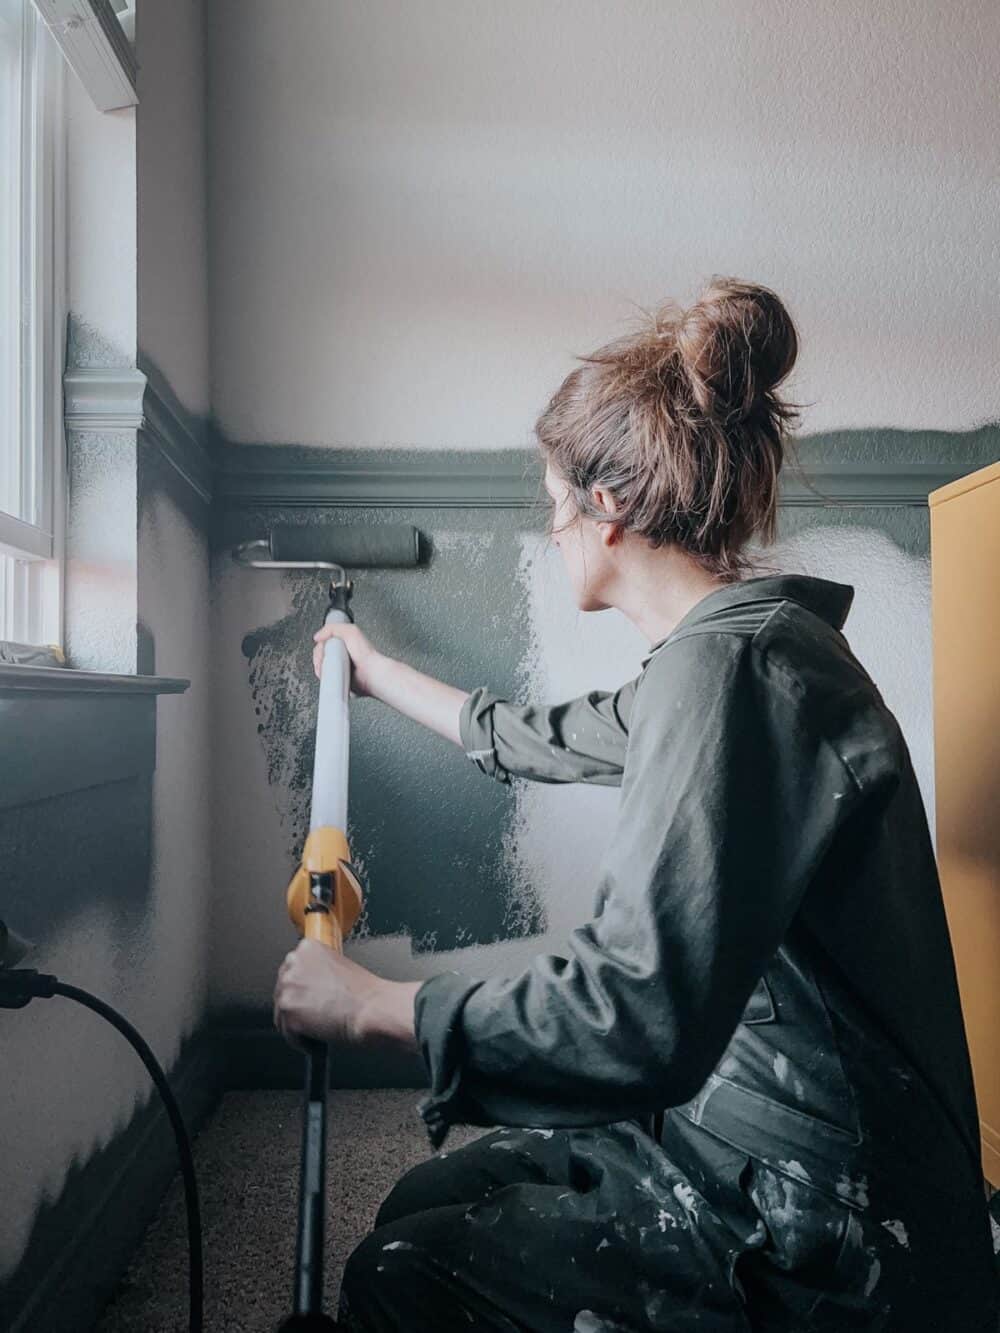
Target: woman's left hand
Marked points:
323	995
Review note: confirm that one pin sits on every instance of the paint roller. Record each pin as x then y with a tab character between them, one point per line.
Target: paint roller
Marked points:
325	896
321	546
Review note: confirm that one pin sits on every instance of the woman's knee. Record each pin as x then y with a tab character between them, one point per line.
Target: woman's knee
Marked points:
464	1176
381	1282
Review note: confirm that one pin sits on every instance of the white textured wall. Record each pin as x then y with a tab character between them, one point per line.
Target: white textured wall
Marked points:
100	597
420	211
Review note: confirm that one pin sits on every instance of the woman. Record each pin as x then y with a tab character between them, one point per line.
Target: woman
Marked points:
744	1092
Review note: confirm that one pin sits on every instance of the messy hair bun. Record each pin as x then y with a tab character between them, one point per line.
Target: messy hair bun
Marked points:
737	343
682	424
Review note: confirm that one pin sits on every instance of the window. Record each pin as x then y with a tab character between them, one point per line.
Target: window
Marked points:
31	328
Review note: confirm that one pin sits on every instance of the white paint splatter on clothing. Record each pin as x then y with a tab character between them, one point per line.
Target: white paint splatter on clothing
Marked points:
685	1196
795	1169
874	1273
897	1231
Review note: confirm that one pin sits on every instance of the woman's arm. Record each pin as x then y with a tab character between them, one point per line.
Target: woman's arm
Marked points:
583	740
430	702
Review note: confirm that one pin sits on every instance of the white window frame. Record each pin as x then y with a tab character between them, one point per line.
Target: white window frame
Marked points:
33	538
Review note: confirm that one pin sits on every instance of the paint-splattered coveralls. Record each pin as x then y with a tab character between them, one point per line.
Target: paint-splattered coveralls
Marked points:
768	963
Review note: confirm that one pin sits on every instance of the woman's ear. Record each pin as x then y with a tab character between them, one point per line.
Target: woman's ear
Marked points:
609	529
604	502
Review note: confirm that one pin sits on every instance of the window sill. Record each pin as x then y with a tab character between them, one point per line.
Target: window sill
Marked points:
62	730
66	680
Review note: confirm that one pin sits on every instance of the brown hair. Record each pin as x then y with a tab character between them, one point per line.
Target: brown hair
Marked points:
681	424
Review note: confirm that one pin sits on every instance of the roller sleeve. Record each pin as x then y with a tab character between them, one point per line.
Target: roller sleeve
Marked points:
383	545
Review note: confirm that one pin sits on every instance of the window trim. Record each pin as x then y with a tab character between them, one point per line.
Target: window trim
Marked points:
39	547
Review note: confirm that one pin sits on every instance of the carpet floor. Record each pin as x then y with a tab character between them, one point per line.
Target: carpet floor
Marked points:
247	1159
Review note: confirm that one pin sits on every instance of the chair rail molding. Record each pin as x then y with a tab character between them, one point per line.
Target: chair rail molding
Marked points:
180	436
103	398
288	476
841	469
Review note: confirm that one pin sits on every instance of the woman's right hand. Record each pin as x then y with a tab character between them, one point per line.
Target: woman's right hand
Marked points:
365	658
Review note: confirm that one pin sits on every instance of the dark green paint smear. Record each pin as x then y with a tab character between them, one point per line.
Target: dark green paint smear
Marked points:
428	831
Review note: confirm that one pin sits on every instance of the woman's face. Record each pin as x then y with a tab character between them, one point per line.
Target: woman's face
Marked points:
584	554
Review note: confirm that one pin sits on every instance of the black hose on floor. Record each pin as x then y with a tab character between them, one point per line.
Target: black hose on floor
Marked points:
20	985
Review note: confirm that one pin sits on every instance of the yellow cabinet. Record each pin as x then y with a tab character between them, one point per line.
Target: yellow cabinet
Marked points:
965	571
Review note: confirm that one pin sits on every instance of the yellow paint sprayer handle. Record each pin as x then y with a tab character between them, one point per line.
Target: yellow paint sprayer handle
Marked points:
325	896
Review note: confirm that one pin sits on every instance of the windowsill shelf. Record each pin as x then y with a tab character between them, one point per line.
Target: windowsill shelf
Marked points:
67	680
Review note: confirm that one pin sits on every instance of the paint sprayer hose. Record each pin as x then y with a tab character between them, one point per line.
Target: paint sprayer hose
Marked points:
17	987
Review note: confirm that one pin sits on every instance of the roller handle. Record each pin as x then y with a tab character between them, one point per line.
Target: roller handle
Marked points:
331	758
324	901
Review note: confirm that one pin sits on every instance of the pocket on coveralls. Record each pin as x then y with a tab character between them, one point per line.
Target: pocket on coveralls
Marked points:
815	1264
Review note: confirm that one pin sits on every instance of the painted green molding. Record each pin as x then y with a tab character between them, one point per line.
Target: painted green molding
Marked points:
866	485
180	436
289	475
850	468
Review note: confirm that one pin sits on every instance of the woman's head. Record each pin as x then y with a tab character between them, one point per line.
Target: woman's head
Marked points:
676	433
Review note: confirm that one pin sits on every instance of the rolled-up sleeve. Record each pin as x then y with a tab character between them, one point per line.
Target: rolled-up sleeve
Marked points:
730	801
583	740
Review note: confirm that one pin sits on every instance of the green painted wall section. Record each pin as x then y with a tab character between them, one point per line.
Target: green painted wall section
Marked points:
430	834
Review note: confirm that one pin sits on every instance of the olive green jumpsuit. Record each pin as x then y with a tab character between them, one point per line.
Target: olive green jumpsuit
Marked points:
741	1099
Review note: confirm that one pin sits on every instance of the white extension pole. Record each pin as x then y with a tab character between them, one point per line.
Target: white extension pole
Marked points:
333	735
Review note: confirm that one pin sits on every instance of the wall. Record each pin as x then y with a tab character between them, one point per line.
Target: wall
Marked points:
173	231
126	863
420	212
417	216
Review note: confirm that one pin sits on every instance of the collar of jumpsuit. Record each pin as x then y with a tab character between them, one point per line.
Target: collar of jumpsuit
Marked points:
830	601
